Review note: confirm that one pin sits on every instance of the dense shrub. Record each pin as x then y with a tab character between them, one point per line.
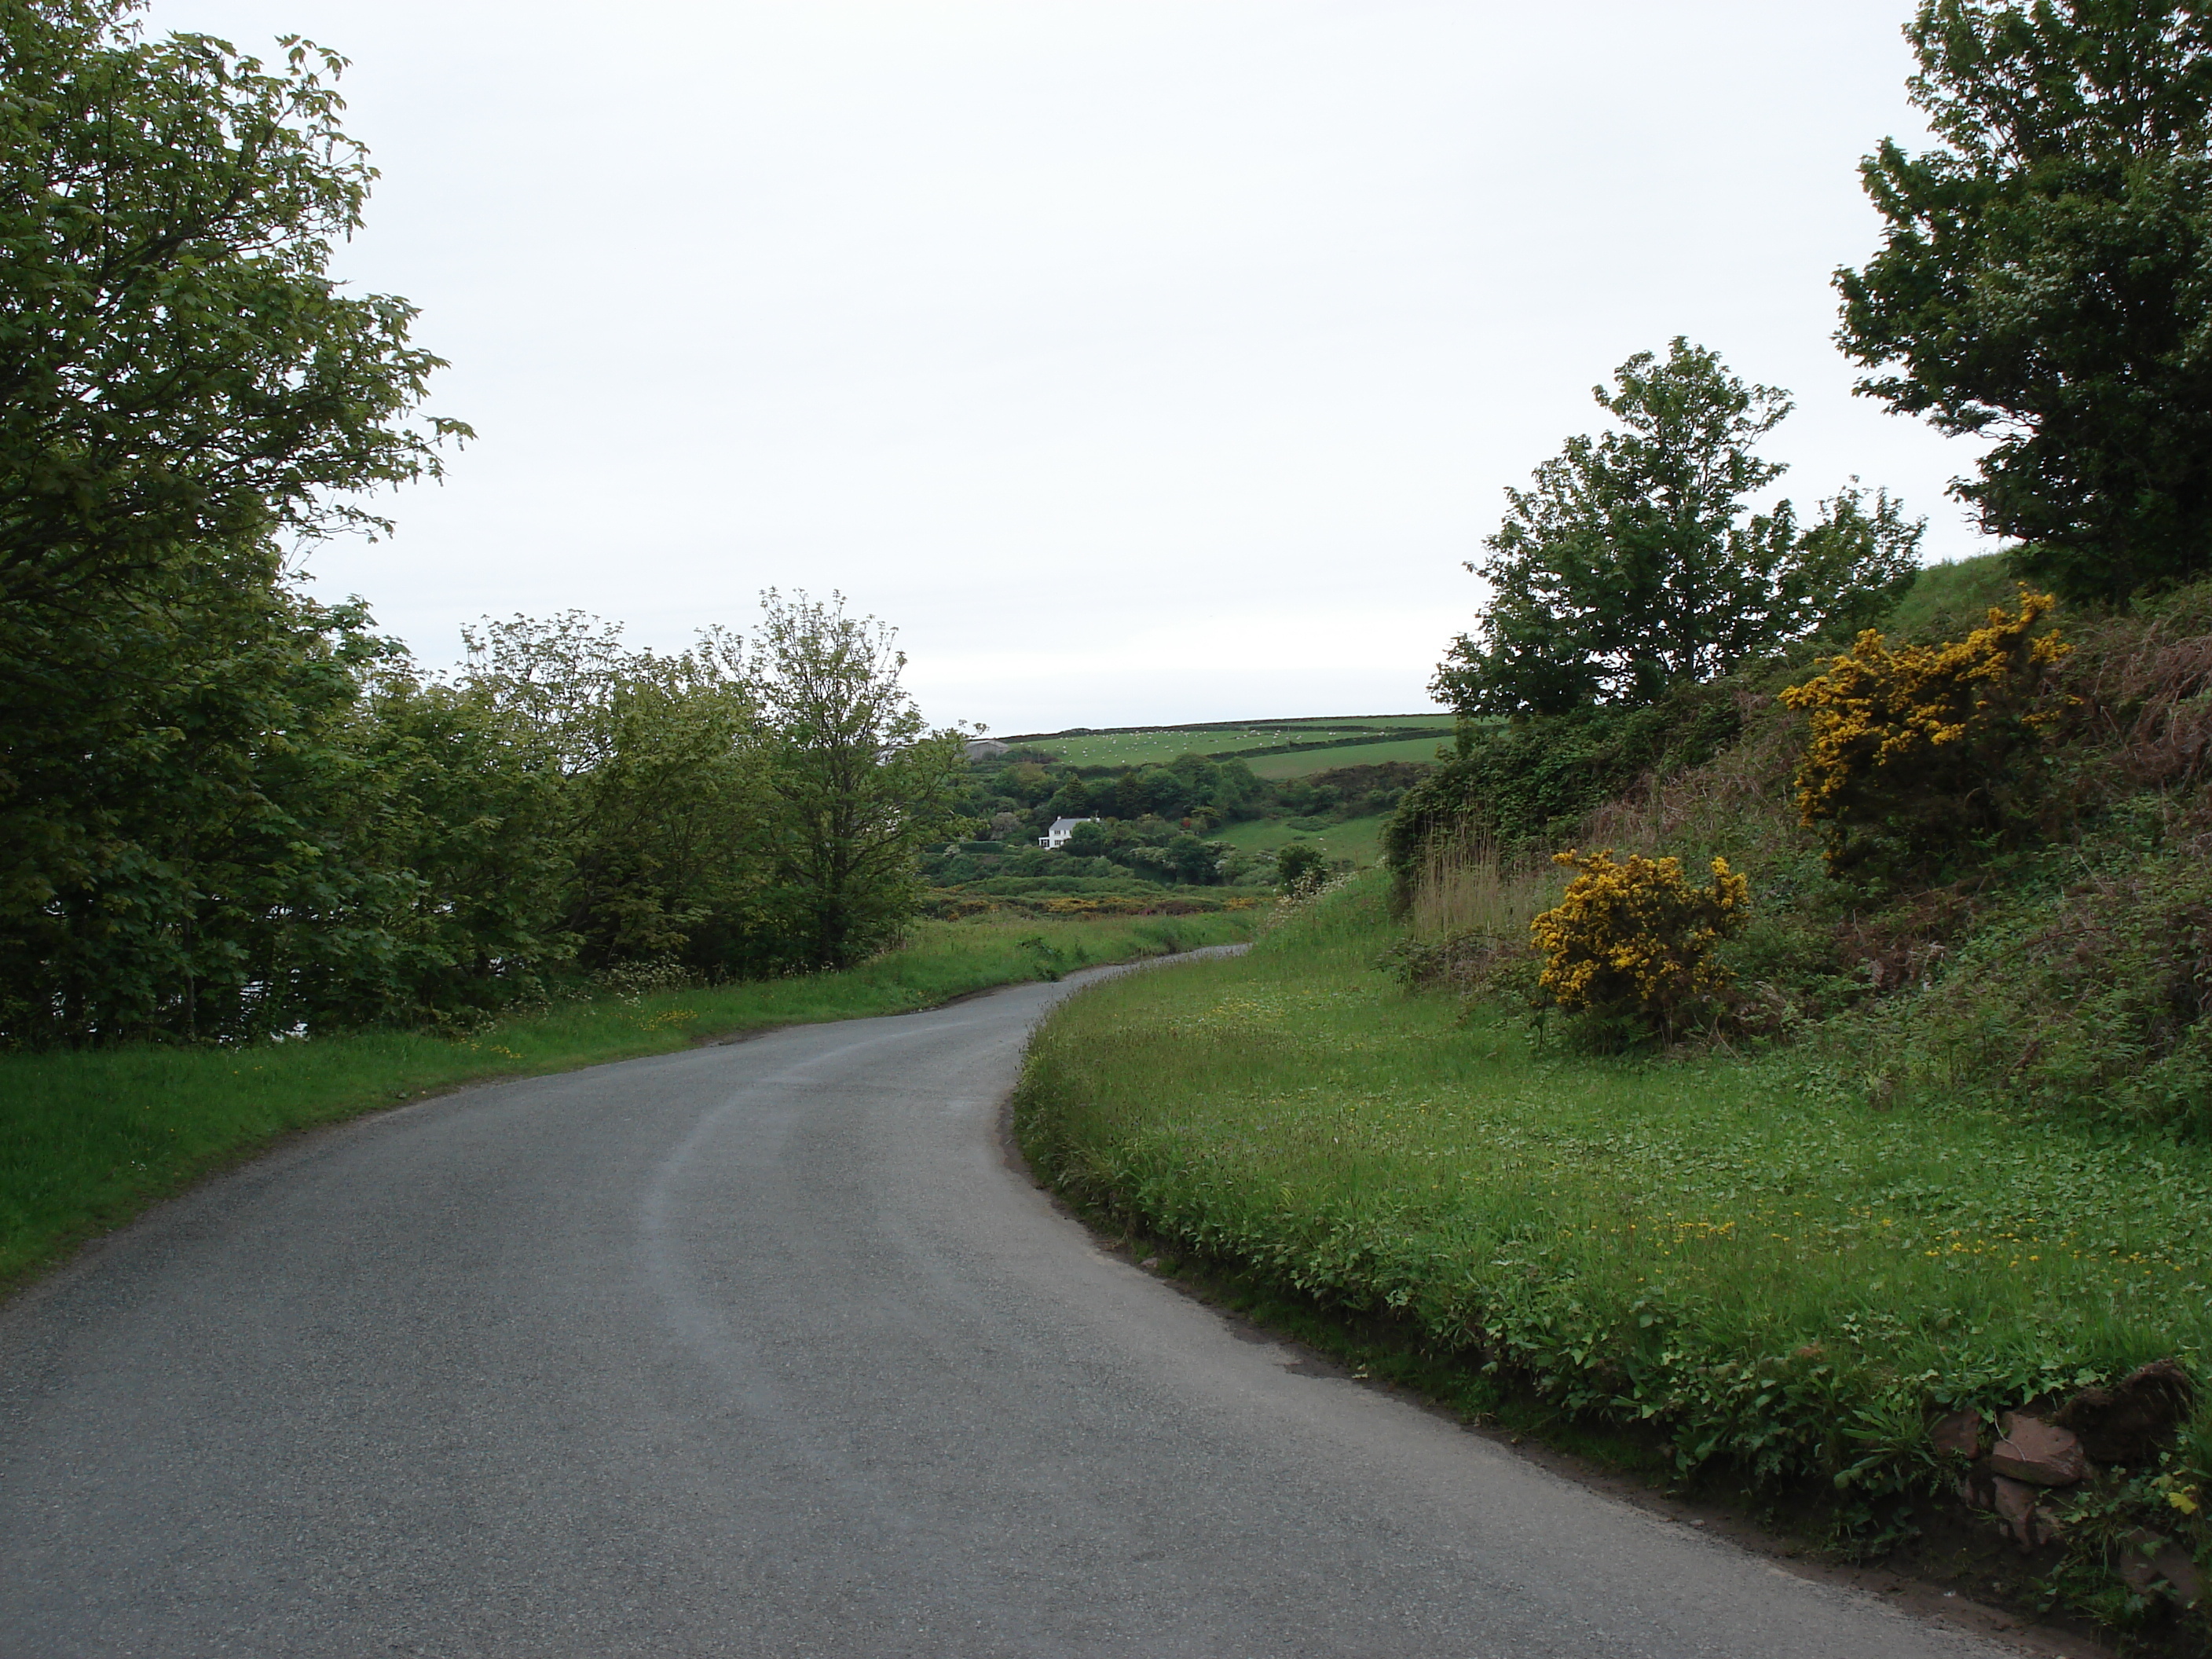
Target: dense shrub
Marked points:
1528	783
1300	866
1631	940
1917	750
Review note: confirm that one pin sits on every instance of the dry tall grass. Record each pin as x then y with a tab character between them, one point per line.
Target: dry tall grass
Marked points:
1735	806
1465	887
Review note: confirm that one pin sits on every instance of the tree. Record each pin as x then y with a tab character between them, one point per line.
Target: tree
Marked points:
188	842
1300	866
1092	840
656	765
188	836
2041	281
858	782
178	369
1633	563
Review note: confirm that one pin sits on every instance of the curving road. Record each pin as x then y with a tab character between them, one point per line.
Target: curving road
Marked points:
762	1349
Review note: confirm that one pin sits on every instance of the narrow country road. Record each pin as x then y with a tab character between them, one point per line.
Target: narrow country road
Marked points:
763	1349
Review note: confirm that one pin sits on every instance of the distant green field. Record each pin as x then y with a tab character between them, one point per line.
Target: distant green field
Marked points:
1359	840
1309	761
1159	744
1391	722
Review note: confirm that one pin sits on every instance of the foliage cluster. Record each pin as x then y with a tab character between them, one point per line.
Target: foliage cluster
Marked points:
2040	282
1634	564
284	824
184	375
1632	939
227	810
1526	786
1915	750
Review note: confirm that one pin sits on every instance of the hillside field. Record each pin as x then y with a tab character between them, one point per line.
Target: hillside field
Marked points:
1157	746
1305	763
1359	840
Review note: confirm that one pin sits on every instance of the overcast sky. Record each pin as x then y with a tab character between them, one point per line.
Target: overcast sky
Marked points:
1141	359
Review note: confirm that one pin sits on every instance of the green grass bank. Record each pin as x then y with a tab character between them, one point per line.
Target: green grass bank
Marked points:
1737	1266
88	1140
1359	839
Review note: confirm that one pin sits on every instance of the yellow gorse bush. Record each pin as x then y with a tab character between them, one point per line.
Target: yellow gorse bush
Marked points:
1635	936
1914	742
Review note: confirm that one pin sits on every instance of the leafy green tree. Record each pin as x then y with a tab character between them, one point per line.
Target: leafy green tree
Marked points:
657	766
859	784
188	836
2042	279
1633	562
1194	860
190	844
1089	840
477	822
1300	866
180	372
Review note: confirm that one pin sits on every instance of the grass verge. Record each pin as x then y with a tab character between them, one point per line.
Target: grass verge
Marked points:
1738	1265
88	1140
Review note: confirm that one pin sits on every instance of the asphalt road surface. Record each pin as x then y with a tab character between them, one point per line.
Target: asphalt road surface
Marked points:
764	1349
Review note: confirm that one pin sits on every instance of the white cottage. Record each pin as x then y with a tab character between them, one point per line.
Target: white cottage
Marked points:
1056	837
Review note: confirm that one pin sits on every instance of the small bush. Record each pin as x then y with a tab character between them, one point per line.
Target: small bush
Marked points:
1919	750
1300	866
1633	941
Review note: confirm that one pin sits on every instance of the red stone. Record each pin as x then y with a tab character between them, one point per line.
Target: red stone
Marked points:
2014	1502
2149	1562
1960	1433
2037	1453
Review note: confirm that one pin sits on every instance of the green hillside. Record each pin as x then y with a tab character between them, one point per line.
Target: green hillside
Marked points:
1305	763
1317	735
1930	1145
1358	839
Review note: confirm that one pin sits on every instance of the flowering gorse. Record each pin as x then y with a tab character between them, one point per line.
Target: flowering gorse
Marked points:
1635	936
1914	746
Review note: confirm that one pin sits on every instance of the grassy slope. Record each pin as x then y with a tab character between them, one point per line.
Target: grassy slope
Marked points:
1165	744
1359	840
1745	1259
88	1140
1306	763
1980	1172
1946	595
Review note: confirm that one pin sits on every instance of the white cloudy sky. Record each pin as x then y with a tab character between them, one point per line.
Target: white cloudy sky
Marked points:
1141	359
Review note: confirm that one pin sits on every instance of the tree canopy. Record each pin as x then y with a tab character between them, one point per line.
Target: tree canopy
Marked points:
2041	281
859	784
177	368
229	811
1634	561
